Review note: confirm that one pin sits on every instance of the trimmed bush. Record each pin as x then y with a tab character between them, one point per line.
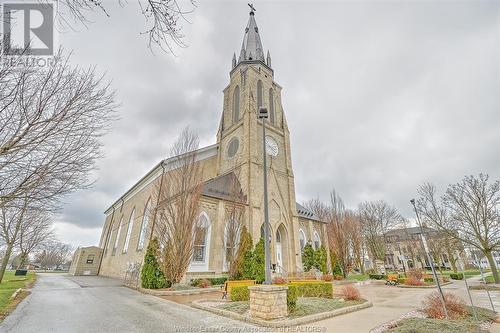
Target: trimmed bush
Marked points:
350	293
455	306
428	280
151	275
291	297
279	280
315	289
402	280
327	277
244	257
204	283
213	281
258	262
308	257
412	281
240	294
457	276
377	276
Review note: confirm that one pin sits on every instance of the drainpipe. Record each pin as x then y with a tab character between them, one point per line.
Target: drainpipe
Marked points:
106	241
157	202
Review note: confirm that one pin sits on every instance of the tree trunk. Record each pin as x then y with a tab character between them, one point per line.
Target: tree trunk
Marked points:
5	260
492	263
22	260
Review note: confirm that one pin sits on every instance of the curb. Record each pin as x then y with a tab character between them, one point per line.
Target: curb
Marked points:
422	287
280	323
14	295
186	292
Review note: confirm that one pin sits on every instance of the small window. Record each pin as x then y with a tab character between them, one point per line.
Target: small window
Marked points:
317	241
232	147
259	94
236	105
302	239
90	259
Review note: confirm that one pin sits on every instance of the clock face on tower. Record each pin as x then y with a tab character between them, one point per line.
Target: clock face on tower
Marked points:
271	146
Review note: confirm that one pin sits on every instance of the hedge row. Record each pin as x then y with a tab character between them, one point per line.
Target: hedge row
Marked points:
377	276
213	281
319	289
457	276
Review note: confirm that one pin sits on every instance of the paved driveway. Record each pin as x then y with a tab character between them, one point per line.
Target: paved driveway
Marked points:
61	303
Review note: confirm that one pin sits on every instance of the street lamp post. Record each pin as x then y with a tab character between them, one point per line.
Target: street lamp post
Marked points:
263	115
431	262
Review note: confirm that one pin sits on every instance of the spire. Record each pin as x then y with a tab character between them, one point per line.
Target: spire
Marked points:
251	49
234	60
268	59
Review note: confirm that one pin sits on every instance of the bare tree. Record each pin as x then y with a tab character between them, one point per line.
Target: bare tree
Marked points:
468	211
51	122
319	208
36	232
235	211
163	18
358	246
178	208
377	217
339	233
54	255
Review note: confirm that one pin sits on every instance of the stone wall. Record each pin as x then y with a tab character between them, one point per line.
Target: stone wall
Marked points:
268	302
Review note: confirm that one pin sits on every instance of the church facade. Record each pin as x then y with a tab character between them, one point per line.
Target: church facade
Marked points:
126	231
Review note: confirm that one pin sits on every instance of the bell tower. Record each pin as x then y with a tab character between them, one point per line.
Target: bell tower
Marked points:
251	84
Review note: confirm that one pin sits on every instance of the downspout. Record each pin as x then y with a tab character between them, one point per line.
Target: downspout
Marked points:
157	201
106	241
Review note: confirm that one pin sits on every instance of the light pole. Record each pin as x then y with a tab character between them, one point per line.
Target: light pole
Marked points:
263	115
431	262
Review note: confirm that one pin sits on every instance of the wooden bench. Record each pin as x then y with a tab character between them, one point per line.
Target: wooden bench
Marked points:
228	285
392	279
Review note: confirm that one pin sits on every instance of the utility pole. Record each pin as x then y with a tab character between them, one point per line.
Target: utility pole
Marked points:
263	115
429	258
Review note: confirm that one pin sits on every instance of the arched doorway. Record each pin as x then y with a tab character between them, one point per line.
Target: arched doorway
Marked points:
281	249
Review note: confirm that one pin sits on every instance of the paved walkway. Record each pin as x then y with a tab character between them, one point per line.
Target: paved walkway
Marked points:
60	303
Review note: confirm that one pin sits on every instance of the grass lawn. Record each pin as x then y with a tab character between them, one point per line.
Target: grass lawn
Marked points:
305	306
427	325
8	286
468	273
357	277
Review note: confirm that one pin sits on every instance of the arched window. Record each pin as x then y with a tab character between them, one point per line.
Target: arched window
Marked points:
129	231
259	93
231	241
144	226
316	241
302	239
236	105
110	235
201	238
118	234
271	106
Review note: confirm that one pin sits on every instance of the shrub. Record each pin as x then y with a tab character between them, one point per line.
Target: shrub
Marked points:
350	293
258	262
433	307
327	277
315	289
428	280
291	297
412	281
338	277
204	283
402	280
213	281
415	273
320	259
308	257
457	276
279	280
240	294
377	276
242	265
151	275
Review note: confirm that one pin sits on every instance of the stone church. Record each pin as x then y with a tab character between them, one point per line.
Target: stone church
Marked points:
239	147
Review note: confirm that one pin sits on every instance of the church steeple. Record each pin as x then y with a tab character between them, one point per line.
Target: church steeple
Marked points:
251	49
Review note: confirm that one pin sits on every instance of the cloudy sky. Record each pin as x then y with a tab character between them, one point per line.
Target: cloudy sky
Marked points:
379	96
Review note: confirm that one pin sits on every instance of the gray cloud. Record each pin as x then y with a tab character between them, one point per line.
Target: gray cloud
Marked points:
379	97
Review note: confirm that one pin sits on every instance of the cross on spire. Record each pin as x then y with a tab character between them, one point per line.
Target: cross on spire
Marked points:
252	8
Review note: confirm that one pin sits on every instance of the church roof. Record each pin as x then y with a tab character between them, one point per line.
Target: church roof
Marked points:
251	49
306	213
226	187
